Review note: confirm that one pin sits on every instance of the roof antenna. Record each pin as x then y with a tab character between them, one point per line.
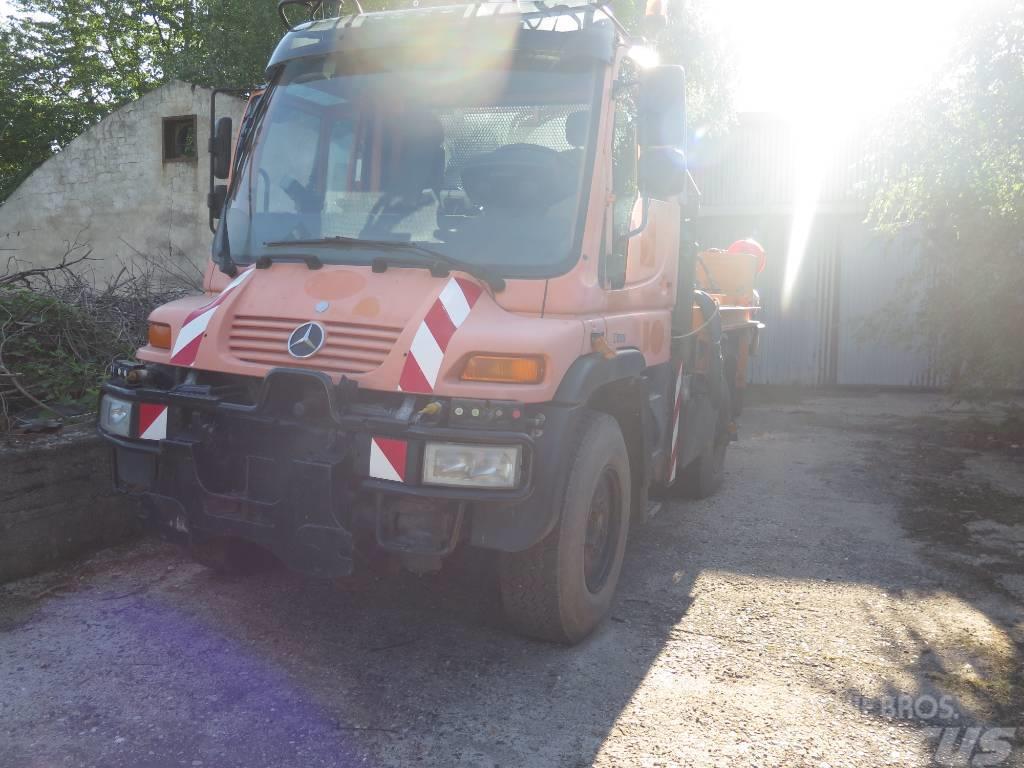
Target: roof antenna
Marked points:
312	6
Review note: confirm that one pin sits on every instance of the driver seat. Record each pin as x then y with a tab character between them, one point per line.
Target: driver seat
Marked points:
576	125
418	159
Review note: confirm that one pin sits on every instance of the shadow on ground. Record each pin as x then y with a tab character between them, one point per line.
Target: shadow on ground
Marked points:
759	627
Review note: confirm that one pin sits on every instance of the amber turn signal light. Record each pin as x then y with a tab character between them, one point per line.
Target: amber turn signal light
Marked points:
160	335
502	369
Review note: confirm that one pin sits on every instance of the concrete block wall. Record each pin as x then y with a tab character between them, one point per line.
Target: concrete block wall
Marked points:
57	501
112	189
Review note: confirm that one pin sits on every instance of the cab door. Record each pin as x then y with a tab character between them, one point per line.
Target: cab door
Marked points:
640	259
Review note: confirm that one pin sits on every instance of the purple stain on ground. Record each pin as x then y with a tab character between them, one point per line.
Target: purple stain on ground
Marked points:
232	706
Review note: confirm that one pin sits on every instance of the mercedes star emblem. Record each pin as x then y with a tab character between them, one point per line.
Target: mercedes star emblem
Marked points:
306	340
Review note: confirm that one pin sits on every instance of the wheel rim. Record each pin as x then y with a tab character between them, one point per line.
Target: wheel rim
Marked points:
603	525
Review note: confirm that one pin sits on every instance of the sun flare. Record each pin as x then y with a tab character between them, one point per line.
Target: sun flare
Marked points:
831	68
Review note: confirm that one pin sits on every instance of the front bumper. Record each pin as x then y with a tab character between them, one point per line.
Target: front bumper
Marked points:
305	483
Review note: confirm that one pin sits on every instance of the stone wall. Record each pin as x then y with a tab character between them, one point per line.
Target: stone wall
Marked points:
57	501
112	188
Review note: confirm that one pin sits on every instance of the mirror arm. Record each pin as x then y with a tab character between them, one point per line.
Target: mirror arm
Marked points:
645	211
222	251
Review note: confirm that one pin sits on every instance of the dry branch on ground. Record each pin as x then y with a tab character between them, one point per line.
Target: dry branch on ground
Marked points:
61	327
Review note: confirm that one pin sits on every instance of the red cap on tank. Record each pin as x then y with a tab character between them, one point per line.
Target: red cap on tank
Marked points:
752	248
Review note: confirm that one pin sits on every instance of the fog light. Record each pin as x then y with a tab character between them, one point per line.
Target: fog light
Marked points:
116	416
480	466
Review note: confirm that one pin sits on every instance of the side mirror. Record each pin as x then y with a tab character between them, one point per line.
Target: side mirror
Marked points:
215	200
663	172
220	148
661	107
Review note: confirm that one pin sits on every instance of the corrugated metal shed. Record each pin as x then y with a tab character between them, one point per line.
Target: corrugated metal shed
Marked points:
847	273
872	274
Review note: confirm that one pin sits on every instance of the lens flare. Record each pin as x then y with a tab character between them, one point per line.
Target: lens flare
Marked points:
644	56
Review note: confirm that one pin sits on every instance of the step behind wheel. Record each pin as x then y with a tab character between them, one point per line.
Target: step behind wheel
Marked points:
561	588
231	557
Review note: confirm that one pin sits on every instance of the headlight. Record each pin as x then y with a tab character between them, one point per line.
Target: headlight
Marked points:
116	416
481	466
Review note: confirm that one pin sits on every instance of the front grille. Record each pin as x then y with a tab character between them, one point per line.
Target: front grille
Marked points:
348	347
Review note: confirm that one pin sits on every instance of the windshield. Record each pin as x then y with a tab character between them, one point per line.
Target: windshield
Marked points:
484	166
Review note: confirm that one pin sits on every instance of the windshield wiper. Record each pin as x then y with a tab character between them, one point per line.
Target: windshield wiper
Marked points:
440	264
310	260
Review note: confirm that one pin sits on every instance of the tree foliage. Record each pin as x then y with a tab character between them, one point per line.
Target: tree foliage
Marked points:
66	63
953	172
232	44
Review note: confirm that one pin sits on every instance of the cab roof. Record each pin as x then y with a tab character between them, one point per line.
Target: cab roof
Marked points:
586	29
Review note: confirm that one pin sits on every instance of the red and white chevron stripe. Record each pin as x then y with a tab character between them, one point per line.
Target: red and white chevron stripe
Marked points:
152	421
388	458
186	346
675	424
446	314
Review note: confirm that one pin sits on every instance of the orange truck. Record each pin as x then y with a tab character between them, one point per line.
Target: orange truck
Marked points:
453	302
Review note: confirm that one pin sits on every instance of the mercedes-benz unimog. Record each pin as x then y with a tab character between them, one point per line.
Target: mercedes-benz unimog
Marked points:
451	303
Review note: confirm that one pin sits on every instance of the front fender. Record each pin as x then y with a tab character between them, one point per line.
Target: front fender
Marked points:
591	372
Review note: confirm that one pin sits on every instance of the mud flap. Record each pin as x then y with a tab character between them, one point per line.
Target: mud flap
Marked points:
699	420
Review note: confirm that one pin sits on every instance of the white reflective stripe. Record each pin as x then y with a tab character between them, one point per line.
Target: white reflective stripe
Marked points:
675	455
454	301
198	324
675	426
380	467
158	429
427	353
237	281
191	329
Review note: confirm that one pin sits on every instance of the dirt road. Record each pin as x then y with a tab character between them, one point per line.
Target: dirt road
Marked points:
853	597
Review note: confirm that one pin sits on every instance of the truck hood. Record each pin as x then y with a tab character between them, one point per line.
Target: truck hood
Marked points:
401	330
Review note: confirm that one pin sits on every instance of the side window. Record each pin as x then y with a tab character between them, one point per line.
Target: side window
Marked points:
624	181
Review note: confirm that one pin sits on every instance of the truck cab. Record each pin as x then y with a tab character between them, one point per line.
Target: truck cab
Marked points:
450	303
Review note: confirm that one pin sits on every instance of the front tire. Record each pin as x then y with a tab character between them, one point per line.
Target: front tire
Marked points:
562	588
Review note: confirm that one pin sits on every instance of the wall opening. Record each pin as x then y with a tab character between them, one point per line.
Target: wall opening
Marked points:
179	139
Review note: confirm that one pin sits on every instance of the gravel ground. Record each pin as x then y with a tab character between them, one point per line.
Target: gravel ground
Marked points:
852	597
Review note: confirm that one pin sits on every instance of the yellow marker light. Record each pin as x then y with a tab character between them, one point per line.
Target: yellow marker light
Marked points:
160	335
504	369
